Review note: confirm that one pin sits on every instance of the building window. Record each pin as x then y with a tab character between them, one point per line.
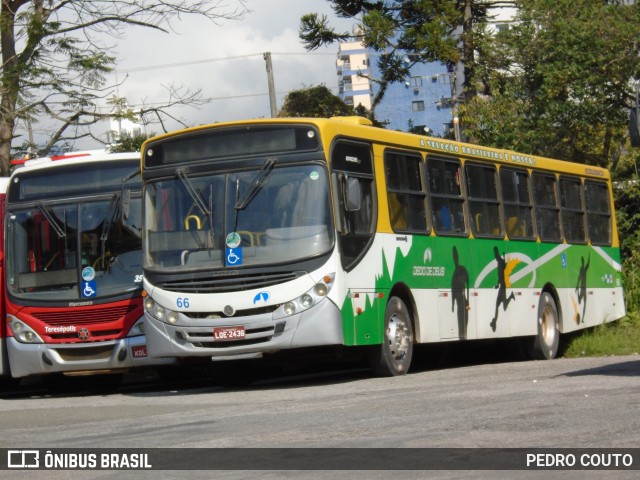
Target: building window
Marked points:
418	106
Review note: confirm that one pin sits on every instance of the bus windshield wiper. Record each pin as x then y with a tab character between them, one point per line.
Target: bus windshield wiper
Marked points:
51	219
256	184
133	174
106	226
193	193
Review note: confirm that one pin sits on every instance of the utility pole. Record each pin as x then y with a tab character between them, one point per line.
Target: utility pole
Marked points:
272	91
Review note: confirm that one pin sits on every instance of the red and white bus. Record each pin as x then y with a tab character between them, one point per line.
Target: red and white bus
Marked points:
73	273
4	361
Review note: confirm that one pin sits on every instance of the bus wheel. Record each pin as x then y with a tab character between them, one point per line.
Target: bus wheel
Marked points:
545	344
393	356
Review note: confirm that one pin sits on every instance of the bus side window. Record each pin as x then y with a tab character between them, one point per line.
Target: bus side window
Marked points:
572	210
484	205
546	207
407	211
516	199
598	206
353	160
447	202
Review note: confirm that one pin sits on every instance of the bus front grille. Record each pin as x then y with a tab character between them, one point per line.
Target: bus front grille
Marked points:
230	283
254	335
89	316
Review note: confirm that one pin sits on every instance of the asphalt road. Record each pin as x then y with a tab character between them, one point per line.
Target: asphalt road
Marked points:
564	403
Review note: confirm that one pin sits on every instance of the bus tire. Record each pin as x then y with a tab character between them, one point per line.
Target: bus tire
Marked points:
393	356
545	343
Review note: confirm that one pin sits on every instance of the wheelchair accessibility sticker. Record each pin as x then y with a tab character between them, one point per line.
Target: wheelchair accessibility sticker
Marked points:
233	257
89	289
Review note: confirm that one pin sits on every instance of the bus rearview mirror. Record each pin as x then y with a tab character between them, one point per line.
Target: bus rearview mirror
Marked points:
353	196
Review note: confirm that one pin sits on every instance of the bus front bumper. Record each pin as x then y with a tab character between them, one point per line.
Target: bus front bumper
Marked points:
319	326
27	359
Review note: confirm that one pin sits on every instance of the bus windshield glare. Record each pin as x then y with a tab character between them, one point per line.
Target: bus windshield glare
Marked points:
268	215
54	247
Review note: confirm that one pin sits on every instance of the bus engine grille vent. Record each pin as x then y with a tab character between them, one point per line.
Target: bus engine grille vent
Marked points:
230	284
85	316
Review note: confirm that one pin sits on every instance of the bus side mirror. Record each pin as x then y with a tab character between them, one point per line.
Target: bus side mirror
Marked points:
353	196
126	203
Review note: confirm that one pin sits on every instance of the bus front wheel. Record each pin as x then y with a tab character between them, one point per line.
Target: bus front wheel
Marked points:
393	356
545	344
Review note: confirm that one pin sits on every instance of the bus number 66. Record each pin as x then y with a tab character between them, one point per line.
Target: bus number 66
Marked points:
182	302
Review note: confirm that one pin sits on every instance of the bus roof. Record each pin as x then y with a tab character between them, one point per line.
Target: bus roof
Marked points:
362	128
75	157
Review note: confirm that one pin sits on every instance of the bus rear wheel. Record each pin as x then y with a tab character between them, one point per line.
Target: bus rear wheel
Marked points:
545	344
393	356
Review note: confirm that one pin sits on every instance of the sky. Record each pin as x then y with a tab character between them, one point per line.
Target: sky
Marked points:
225	61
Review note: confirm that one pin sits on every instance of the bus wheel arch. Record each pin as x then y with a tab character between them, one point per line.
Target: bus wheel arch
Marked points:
545	344
393	356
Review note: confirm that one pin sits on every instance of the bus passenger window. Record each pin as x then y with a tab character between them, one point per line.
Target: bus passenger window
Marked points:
546	205
407	210
598	206
572	210
516	199
484	205
447	202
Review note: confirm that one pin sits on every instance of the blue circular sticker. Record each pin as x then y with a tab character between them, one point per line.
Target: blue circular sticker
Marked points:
88	274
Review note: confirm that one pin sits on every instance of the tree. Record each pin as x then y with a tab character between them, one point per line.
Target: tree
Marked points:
55	58
558	83
316	102
408	32
129	143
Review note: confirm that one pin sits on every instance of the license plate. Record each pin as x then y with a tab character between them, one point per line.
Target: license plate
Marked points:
139	352
222	334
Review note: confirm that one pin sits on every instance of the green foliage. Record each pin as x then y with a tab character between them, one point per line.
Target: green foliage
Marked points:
418	30
618	338
627	201
558	84
315	31
316	102
129	143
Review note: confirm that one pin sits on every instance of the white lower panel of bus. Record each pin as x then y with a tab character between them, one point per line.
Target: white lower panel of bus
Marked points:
318	326
38	359
513	315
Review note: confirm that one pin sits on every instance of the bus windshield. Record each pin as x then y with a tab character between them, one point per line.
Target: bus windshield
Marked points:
74	251
272	214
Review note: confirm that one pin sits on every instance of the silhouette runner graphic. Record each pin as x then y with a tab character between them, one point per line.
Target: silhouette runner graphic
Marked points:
581	287
460	294
501	286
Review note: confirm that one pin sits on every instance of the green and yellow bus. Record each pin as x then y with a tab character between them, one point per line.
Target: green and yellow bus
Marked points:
277	234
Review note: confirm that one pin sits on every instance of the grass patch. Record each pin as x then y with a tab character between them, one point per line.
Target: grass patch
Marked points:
616	338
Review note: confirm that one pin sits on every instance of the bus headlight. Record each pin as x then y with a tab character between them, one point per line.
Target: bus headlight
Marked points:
159	312
23	332
307	300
